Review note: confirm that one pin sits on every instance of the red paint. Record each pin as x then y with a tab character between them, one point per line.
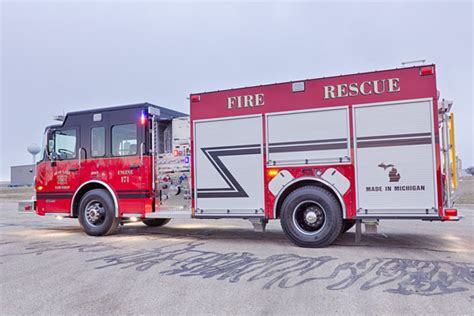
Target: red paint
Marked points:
115	172
279	96
298	172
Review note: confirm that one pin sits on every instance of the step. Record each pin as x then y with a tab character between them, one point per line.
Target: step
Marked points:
170	214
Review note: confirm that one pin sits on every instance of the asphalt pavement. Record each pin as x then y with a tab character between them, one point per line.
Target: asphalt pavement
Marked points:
190	267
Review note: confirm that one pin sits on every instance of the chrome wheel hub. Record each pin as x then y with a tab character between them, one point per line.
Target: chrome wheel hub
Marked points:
313	216
309	217
95	213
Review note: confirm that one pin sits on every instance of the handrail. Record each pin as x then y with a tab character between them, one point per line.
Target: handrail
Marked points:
85	155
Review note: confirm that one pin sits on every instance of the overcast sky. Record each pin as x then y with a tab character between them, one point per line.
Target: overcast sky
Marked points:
58	57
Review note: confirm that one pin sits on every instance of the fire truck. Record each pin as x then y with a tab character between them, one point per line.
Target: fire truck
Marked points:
320	155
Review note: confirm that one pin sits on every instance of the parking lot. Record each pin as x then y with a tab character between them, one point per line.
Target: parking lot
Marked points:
50	266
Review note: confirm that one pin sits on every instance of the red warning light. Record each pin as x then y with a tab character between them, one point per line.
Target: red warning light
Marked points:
195	98
143	118
425	71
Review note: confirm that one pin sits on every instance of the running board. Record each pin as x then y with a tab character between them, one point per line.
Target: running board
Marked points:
169	214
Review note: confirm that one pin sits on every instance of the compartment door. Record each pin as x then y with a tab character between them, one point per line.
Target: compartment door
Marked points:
395	161
228	167
308	137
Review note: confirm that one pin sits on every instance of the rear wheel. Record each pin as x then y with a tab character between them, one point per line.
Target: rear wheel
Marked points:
156	222
311	217
97	213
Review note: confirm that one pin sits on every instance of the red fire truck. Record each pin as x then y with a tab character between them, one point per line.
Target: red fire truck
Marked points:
320	155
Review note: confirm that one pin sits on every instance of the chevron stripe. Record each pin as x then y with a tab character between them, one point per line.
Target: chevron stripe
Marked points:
233	189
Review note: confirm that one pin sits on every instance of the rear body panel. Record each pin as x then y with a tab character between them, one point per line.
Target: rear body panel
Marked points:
377	134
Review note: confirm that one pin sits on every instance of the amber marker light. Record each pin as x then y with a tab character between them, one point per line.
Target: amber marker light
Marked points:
39	188
272	172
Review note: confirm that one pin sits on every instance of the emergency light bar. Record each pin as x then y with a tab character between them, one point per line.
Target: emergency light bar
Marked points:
143	117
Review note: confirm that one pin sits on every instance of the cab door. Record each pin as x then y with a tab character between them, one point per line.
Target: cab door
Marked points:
61	175
127	167
94	165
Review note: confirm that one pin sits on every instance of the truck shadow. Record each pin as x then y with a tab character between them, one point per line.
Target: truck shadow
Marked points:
190	252
430	242
275	236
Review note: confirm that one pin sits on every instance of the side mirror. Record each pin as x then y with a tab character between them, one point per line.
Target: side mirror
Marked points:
50	146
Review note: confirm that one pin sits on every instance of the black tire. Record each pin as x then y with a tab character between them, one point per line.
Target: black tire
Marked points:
307	204
97	213
347	224
156	222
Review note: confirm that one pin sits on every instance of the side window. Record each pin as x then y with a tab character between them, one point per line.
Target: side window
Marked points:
124	140
164	137
65	144
98	141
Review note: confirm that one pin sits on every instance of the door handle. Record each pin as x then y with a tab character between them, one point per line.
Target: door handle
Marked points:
73	169
134	167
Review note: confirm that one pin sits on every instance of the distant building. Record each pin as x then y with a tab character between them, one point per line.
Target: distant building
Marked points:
22	175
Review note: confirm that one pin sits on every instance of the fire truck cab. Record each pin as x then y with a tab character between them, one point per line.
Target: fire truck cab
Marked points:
102	166
320	155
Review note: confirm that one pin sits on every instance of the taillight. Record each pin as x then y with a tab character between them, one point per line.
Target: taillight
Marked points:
426	71
451	212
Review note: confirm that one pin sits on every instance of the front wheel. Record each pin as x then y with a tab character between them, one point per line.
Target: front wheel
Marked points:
97	213
311	217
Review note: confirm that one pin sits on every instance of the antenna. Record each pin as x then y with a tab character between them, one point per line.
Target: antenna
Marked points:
413	62
34	149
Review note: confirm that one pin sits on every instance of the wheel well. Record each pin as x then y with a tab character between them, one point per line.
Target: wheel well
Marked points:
300	184
80	194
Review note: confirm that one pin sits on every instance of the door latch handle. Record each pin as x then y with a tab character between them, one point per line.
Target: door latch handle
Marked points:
134	166
73	169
